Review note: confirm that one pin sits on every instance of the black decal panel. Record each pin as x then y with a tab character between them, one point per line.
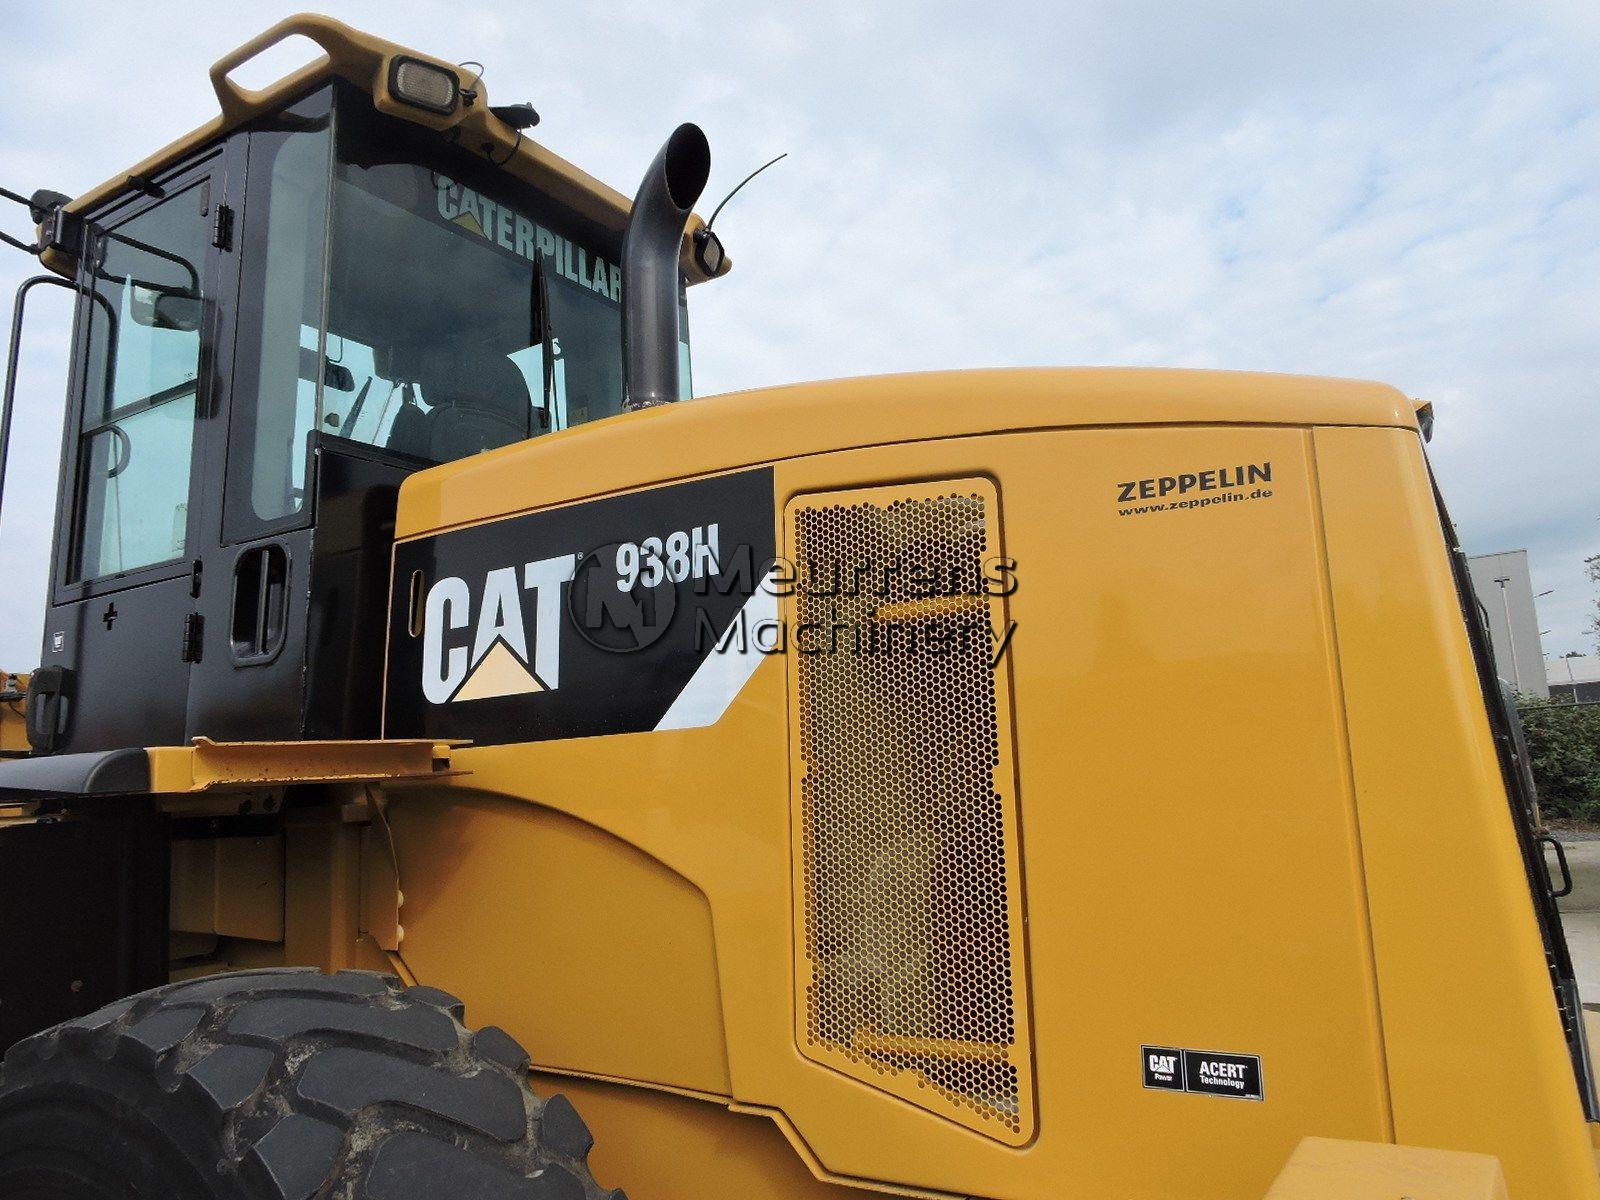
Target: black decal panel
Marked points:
1202	1072
584	620
1163	1068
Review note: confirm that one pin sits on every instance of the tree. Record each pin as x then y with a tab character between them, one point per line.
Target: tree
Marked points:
1593	563
1564	752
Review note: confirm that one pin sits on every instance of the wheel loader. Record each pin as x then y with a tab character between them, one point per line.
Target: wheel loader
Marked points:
999	784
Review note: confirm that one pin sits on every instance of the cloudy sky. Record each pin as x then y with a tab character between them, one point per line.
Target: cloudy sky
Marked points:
1393	189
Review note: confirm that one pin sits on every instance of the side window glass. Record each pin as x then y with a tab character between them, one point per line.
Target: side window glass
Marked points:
281	365
141	387
358	400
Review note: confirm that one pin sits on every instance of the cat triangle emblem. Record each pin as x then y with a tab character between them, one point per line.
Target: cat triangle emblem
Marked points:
470	222
498	673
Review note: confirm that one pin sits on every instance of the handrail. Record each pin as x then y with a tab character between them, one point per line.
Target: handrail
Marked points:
6	398
359	57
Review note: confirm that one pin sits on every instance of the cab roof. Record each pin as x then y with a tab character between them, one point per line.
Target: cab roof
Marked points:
367	62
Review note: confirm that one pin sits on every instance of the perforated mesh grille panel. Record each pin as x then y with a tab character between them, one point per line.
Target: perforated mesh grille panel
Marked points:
911	964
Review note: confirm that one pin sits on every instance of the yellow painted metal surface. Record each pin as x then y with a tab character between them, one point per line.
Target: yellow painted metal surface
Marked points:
608	937
1474	1045
1259	813
231	886
321	902
365	60
221	766
1178	725
722	433
1325	1169
381	897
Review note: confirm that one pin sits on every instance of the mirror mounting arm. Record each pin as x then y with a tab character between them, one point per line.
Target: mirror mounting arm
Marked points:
59	229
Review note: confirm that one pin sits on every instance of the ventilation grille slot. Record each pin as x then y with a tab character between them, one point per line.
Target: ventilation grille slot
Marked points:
911	970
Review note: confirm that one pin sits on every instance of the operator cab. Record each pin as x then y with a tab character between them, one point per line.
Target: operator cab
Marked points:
272	333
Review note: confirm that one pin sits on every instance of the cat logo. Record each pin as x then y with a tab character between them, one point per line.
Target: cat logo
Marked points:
512	231
469	222
497	662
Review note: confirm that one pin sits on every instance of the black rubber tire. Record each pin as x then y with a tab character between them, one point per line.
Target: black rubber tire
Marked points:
284	1085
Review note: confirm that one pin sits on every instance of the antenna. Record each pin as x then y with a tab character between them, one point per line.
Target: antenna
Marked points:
741	183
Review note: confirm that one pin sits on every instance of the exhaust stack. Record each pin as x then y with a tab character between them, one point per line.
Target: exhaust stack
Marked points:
650	275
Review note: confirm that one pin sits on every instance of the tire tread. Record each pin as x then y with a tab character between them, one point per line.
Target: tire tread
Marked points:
349	1086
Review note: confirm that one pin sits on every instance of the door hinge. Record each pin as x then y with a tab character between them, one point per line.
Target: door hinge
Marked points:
193	629
222	227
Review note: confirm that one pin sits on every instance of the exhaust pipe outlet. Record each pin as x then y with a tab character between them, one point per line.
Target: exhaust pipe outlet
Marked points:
650	275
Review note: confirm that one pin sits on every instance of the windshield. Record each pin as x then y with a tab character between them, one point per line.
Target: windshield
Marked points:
447	286
435	300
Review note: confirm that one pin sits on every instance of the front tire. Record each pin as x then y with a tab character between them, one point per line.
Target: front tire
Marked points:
283	1085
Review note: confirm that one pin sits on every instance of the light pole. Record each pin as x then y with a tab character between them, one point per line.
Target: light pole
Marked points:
1511	634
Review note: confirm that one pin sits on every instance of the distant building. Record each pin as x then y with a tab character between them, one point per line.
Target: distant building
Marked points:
1574	678
1505	590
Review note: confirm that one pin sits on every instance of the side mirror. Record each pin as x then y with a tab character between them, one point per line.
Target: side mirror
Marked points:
174	311
334	375
709	255
165	310
338	376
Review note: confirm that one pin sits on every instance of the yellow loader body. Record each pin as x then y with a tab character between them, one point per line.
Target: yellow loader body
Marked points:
1246	804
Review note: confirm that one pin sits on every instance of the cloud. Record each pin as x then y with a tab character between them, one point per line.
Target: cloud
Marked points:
1406	191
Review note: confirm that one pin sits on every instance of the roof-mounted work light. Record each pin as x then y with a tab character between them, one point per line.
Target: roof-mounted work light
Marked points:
424	85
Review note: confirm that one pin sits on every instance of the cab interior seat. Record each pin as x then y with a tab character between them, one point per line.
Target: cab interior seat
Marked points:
478	402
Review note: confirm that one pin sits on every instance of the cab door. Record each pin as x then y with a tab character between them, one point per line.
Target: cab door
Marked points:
121	630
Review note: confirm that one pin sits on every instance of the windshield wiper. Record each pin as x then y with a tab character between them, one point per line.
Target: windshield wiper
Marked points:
355	409
541	334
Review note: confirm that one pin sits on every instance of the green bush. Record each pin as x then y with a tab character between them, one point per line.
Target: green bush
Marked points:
1564	750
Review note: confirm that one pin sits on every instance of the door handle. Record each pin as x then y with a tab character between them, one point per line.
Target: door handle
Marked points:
260	604
1561	860
49	688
